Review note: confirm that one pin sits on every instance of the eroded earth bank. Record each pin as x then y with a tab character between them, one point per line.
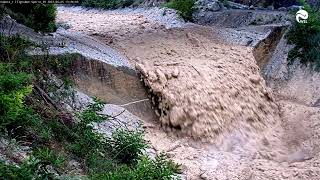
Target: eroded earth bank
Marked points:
215	110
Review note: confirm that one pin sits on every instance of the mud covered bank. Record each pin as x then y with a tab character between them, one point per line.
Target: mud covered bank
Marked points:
264	50
114	85
118	85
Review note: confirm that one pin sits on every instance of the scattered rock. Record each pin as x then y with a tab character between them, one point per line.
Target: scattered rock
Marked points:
208	5
294	8
194	41
270	8
120	118
282	9
175	73
255	79
205	7
234	5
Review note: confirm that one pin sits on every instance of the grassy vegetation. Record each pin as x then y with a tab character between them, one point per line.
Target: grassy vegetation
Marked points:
147	169
31	169
54	135
184	7
306	38
39	17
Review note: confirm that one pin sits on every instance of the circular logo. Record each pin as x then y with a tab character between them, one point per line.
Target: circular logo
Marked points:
302	16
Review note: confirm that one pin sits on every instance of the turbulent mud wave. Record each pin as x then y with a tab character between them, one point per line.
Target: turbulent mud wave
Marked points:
191	62
205	99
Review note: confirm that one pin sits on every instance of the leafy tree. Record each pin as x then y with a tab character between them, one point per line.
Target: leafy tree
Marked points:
40	17
306	38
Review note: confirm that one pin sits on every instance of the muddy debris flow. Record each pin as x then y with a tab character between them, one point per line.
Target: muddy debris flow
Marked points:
216	115
205	98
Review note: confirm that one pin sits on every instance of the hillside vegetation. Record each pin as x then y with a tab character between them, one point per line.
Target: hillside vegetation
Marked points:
40	17
32	116
184	7
306	38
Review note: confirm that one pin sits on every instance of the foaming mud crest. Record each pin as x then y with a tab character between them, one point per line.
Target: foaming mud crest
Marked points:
205	98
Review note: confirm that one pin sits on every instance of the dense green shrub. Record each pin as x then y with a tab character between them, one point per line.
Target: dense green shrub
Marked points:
40	17
184	7
12	49
48	156
159	168
306	38
12	106
14	87
127	146
85	138
31	169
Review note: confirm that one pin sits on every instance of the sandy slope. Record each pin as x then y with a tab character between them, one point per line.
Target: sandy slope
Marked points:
213	91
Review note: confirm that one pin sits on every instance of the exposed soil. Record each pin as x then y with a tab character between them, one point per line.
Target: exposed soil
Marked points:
205	88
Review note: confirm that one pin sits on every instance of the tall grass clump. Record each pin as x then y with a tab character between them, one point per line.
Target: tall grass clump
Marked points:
306	38
184	7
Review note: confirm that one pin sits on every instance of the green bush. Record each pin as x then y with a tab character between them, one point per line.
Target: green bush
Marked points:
12	49
184	7
159	168
127	146
48	156
8	171
306	38
40	17
31	169
14	87
124	146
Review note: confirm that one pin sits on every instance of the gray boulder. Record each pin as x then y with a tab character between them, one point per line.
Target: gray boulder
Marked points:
120	119
233	5
208	5
203	8
295	8
282	9
270	7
